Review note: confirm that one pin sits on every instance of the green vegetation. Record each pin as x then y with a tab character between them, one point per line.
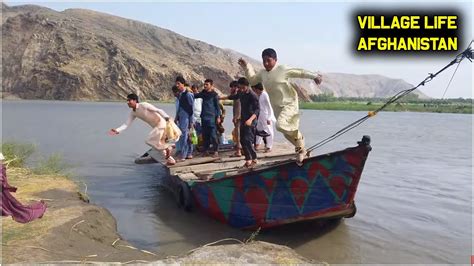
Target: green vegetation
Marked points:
411	103
53	165
16	155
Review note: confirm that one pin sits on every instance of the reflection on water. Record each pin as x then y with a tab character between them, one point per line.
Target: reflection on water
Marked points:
414	199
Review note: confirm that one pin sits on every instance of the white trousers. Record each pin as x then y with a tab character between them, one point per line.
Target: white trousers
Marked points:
269	129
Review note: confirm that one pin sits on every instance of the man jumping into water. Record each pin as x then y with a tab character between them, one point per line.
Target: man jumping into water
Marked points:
153	116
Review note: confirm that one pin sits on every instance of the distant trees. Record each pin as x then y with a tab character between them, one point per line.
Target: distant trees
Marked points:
407	99
324	97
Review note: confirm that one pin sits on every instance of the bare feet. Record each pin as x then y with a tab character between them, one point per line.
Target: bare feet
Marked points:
253	163
300	156
170	161
247	164
167	152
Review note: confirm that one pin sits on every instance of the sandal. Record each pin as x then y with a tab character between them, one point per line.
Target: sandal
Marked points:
247	165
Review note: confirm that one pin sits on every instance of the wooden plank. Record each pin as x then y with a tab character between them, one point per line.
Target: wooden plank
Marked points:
188	176
260	155
195	161
236	169
213	166
210	165
217	167
218	164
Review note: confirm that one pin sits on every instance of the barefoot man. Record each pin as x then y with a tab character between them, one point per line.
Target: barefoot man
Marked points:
153	116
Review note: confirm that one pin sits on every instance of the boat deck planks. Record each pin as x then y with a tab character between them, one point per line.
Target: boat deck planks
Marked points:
204	168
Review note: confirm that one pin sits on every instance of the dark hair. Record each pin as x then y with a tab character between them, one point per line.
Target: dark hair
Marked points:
174	89
233	84
194	86
132	96
209	81
270	53
243	81
258	86
180	79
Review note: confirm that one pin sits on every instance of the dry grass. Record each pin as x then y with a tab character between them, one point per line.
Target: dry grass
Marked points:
29	186
31	242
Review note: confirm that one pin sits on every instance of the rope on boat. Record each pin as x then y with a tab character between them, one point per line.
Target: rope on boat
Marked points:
449	83
468	53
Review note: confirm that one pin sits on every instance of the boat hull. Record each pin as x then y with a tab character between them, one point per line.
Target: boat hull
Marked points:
324	187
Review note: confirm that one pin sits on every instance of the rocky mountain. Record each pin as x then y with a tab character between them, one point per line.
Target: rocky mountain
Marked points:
350	85
81	54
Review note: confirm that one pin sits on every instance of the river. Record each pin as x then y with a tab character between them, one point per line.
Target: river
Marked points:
414	199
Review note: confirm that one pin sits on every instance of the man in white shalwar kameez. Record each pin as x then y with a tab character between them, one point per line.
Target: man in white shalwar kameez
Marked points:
283	96
153	116
266	118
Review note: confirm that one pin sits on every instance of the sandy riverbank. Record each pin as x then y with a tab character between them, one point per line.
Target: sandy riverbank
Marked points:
71	229
75	231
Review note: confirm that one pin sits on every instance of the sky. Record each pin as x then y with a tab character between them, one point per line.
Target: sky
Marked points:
313	35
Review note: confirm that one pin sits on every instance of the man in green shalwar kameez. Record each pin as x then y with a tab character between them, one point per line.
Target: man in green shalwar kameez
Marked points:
283	97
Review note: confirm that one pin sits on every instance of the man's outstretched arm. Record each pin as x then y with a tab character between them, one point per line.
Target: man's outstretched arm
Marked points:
253	77
115	131
304	74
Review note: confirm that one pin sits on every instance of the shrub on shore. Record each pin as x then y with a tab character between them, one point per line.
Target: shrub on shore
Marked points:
16	154
53	165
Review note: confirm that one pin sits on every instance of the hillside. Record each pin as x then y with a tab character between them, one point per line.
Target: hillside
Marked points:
81	54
